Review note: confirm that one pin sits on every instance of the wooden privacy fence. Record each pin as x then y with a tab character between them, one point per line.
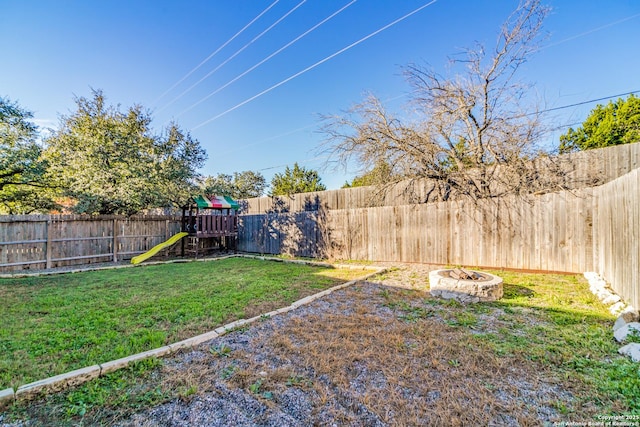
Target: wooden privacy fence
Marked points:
551	232
46	241
581	230
617	235
296	234
593	229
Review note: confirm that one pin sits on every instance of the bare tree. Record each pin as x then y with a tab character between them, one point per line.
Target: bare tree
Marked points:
476	131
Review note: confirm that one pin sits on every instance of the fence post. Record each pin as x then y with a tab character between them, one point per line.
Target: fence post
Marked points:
115	240
48	248
166	237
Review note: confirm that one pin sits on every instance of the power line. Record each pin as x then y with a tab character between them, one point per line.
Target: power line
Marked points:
406	94
235	54
581	103
602	27
593	30
271	138
216	51
543	111
246	101
267	58
300	162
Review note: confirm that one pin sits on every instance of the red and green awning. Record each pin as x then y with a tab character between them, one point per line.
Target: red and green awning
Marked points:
216	202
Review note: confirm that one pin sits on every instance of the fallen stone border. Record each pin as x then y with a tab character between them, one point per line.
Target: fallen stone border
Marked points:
626	323
79	376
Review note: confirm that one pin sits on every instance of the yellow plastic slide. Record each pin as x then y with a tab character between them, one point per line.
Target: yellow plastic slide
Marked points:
157	248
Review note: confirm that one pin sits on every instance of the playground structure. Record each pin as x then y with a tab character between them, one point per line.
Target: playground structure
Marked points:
208	223
211	223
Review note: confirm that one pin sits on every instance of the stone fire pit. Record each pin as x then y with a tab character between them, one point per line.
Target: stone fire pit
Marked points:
465	286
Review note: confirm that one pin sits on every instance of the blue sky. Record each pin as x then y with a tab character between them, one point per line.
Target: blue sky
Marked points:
135	51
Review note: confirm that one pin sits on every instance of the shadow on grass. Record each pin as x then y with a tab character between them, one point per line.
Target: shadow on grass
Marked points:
516	291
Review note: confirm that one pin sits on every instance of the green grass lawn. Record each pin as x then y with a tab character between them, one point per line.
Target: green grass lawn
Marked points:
556	322
53	324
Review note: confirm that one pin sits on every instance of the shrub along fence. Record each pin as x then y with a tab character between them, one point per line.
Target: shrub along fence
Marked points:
46	241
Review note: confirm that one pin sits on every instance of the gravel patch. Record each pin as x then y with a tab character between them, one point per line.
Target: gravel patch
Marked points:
258	377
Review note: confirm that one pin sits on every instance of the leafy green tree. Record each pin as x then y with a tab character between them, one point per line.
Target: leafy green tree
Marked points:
240	185
176	162
380	174
612	124
221	184
296	180
23	188
110	162
249	184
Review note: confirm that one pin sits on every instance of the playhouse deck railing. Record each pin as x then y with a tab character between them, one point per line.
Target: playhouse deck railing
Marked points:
216	225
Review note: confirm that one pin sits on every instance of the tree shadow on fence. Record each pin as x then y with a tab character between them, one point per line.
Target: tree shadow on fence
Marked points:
298	234
279	231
